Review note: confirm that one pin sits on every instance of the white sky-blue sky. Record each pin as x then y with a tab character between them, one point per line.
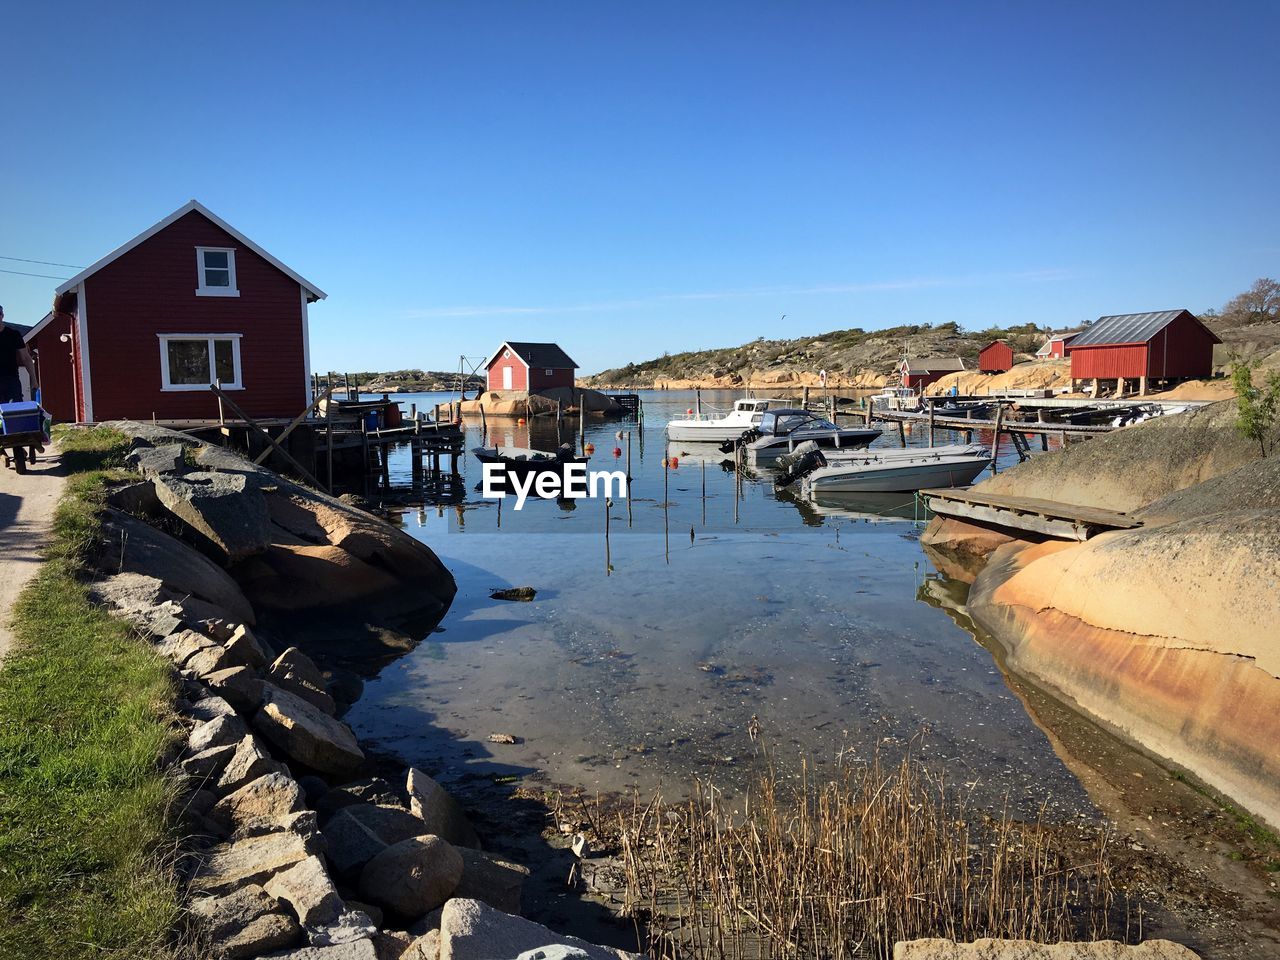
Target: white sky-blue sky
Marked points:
633	178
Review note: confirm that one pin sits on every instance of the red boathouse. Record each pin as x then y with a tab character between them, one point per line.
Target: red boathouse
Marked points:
918	372
529	368
1168	345
995	357
189	301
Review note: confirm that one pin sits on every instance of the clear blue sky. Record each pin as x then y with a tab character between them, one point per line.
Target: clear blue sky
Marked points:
629	178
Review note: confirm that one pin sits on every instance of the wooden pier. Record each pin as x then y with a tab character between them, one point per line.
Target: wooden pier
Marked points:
1062	521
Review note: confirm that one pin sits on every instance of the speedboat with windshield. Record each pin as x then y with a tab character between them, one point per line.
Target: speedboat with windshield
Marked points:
781	431
883	471
705	428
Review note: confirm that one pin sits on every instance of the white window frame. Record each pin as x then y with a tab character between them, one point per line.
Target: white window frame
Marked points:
168	386
229	291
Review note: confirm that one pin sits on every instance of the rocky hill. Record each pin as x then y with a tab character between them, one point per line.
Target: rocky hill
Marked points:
853	357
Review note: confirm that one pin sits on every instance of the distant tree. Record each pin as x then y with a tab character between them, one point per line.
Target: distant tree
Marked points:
1256	406
1259	304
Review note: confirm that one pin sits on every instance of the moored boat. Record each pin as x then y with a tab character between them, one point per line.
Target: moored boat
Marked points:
701	428
781	431
889	470
523	462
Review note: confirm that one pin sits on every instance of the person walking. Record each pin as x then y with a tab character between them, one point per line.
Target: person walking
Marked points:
14	354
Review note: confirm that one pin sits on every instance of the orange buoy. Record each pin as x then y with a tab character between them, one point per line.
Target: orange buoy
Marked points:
521	421
689	411
589	448
617	451
675	463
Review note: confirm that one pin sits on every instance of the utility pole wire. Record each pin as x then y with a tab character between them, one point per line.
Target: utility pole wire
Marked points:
45	263
20	273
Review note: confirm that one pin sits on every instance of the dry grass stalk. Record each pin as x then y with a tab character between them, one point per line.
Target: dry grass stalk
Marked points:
848	867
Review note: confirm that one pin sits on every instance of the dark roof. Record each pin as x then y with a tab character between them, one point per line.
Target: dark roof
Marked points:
540	355
24	330
934	364
1129	328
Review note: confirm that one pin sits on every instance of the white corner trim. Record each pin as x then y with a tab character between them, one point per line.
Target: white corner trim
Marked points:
82	334
306	348
151	231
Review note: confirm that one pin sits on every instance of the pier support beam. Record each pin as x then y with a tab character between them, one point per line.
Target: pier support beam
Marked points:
1142	386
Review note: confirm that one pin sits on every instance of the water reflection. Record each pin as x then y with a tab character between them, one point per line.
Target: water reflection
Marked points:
716	601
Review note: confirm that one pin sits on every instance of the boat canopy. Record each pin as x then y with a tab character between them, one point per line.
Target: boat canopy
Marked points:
782	422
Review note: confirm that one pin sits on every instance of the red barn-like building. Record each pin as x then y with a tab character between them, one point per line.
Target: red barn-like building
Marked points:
1055	348
1167	345
529	367
995	357
918	372
189	301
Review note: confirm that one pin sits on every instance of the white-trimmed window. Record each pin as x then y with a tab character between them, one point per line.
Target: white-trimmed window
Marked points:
216	272
194	361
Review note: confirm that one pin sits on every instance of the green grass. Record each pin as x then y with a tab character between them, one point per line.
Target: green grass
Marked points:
86	834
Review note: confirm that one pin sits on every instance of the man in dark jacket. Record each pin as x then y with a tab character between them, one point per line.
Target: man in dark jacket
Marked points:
14	353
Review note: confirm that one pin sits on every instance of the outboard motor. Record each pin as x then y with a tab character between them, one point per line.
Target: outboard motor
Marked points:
800	462
744	438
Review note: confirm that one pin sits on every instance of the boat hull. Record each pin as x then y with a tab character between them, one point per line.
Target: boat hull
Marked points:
770	448
894	478
703	432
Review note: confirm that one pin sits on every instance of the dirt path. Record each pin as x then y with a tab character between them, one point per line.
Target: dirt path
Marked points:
26	516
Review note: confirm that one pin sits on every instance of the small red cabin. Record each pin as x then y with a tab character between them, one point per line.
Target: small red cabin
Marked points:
918	372
188	302
995	357
529	367
1168	345
1055	348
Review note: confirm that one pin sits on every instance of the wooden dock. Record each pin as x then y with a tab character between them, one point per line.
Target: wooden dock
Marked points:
969	424
1062	521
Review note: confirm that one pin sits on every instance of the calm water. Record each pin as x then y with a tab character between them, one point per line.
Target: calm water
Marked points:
720	615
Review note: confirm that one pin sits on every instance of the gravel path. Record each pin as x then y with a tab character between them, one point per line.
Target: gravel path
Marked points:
26	517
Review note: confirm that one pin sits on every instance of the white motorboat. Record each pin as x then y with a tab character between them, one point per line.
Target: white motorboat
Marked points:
782	431
703	428
890	470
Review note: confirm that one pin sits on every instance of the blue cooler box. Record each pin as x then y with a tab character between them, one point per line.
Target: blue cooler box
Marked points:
23	417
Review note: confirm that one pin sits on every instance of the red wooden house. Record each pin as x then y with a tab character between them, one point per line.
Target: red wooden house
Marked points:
529	367
995	357
1168	345
1055	348
918	372
188	302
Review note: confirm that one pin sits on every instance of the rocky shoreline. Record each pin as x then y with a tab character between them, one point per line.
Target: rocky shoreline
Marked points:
297	845
1166	634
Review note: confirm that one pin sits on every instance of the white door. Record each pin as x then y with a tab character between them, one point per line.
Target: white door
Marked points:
506	378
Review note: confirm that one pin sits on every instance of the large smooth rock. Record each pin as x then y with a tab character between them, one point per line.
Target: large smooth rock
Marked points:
136	547
987	949
245	923
250	860
439	812
294	671
183	645
306	734
208	764
356	834
471	930
307	888
157	461
413	876
206	708
269	797
227	509
495	881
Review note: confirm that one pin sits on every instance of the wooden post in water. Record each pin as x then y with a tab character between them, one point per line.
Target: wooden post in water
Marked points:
995	436
484	425
628	478
902	434
931	423
666	504
804	399
608	566
697	400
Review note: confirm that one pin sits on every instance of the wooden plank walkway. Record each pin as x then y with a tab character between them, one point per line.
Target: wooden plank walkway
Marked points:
1063	521
941	422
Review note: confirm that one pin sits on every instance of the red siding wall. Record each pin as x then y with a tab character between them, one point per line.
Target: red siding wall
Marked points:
918	381
539	379
518	379
151	290
55	359
1108	362
1182	349
995	358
